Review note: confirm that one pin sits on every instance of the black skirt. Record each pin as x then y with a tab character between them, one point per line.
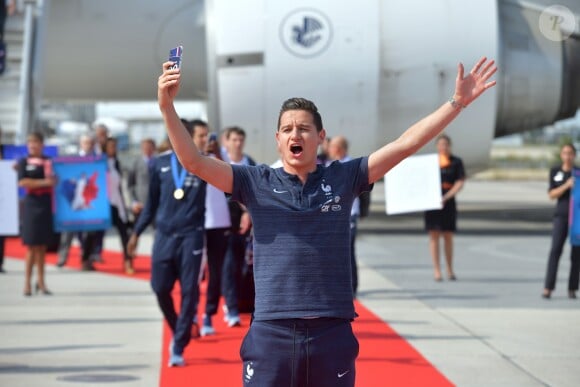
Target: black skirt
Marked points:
444	219
37	227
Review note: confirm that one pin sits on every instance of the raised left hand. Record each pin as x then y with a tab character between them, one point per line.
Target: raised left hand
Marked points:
468	88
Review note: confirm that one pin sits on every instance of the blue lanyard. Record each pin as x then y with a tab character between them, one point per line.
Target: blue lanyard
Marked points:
177	180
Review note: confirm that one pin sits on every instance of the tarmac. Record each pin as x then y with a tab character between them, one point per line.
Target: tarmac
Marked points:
488	328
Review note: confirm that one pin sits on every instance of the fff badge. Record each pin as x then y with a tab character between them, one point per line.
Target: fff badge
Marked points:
575	210
80	195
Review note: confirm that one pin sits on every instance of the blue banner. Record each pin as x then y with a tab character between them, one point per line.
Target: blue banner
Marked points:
80	195
575	209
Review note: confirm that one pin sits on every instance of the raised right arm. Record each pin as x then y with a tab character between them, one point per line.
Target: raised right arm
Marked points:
216	172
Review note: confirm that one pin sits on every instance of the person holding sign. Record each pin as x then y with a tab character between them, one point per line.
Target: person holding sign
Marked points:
560	185
301	332
443	222
176	200
35	175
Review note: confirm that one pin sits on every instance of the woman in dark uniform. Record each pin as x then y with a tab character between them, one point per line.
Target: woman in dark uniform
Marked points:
35	175
561	182
443	222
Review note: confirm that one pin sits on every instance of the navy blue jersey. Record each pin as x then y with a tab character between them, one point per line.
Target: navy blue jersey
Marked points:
172	216
302	237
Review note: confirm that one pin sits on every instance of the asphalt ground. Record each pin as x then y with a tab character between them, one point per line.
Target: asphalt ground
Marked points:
488	328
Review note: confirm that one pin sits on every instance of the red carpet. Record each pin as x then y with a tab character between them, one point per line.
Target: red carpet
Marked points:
385	359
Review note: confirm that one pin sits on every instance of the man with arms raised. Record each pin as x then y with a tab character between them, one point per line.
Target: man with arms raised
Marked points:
301	331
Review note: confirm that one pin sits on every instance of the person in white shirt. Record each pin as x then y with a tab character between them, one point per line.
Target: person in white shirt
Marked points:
217	231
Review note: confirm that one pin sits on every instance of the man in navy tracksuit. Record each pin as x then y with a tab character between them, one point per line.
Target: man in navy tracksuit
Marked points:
301	334
176	201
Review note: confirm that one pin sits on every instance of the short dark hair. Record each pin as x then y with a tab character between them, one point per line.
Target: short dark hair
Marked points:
301	104
197	122
187	125
236	130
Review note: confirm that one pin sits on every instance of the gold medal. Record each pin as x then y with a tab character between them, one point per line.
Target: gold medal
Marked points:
178	194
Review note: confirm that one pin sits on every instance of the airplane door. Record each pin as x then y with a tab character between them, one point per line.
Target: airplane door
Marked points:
235	37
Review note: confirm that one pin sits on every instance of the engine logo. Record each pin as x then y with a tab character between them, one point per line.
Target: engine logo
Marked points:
306	33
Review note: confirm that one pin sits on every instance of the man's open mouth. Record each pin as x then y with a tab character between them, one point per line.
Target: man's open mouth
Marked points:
296	149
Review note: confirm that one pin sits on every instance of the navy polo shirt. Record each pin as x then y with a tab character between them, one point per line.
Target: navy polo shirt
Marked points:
302	237
172	216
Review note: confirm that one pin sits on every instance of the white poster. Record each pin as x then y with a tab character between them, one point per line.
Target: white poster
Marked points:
414	185
8	198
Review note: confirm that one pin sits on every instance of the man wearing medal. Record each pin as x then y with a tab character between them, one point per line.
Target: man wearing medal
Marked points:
176	201
178	194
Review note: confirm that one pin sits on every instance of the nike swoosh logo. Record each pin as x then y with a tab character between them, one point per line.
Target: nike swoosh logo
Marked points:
165	169
197	252
277	191
340	375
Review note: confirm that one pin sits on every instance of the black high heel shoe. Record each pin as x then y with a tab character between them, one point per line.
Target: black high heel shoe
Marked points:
572	294
44	291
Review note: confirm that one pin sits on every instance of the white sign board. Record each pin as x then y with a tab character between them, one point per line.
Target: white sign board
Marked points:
8	198
414	185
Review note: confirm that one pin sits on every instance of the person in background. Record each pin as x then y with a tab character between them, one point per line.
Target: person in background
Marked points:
217	229
101	136
223	143
322	156
36	176
86	149
235	289
118	210
138	179
337	150
560	186
444	222
176	201
97	237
